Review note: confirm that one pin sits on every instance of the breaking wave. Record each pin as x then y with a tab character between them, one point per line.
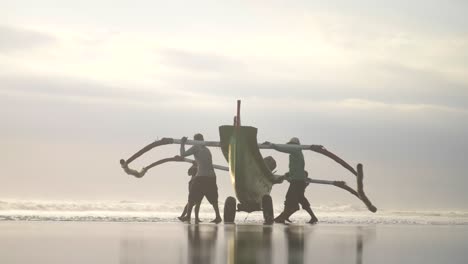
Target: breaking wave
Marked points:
132	211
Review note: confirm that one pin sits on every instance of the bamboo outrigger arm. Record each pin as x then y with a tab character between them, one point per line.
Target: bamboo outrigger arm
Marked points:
142	172
316	148
359	194
168	141
158	143
358	172
342	185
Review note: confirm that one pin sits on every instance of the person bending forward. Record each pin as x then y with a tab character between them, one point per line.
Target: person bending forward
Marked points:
297	184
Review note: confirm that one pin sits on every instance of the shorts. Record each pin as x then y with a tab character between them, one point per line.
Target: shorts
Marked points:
190	185
295	196
203	186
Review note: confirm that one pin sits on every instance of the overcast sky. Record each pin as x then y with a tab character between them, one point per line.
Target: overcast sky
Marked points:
85	83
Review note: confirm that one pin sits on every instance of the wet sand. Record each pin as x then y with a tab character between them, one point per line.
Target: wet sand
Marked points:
91	242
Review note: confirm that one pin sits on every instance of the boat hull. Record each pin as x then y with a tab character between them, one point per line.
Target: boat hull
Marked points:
249	175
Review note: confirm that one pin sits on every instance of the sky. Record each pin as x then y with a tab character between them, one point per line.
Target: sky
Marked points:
86	83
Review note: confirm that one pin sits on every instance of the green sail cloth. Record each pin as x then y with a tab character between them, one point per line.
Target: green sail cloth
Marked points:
249	175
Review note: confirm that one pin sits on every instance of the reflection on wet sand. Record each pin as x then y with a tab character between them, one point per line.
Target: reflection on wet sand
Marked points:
235	244
359	246
249	244
295	240
201	243
362	236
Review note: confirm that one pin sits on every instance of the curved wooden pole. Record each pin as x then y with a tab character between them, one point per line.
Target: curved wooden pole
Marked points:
316	148
360	187
167	141
142	172
359	175
162	161
334	157
157	143
178	158
364	199
342	185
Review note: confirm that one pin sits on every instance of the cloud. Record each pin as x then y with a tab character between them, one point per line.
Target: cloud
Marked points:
373	81
292	65
84	91
420	15
367	105
14	38
308	62
397	82
199	61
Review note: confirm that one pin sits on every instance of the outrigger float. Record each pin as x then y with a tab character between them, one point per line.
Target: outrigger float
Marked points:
252	178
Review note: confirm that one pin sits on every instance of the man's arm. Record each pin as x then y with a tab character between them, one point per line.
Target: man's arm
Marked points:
189	152
280	148
283	149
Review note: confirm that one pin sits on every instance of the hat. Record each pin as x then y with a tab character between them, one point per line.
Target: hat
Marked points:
294	140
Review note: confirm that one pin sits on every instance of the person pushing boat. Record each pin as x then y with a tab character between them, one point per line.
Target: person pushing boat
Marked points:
204	181
297	183
192	171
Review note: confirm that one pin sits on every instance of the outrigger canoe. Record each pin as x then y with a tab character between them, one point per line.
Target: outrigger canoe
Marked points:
251	177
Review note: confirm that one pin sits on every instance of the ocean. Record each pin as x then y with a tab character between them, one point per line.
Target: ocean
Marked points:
132	211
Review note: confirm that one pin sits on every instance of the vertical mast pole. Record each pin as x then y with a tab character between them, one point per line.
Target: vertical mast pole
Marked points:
238	121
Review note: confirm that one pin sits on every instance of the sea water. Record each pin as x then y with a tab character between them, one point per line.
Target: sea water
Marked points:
132	211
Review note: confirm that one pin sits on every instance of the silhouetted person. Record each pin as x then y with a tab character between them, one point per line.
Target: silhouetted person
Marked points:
192	171
297	184
303	201
204	182
202	244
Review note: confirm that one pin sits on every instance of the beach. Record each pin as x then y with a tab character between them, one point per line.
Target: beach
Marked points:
121	242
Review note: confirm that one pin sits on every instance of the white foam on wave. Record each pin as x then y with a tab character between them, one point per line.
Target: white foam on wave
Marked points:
132	211
39	205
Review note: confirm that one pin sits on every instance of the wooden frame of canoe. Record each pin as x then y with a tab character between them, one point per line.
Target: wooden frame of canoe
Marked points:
251	178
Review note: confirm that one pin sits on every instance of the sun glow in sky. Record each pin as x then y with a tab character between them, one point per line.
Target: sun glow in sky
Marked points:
85	83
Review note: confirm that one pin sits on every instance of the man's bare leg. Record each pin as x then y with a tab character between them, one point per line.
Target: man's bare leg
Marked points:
184	213
313	218
188	217
218	216
197	211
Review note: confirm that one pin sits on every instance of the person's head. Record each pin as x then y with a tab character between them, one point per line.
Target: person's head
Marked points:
198	137
270	162
294	140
